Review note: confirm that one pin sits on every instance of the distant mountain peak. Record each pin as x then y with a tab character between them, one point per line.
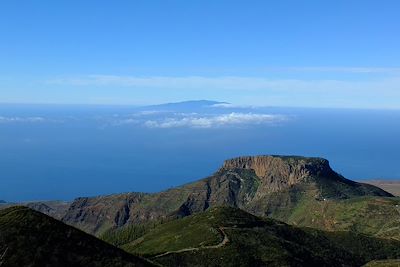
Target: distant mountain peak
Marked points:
200	102
191	104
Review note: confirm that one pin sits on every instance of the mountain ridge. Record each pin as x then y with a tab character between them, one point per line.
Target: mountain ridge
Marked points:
282	186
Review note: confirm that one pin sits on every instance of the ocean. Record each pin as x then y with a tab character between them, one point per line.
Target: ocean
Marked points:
59	152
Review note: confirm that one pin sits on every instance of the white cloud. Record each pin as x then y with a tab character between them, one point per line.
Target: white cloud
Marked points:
149	112
235	83
20	119
339	69
189	82
215	121
123	121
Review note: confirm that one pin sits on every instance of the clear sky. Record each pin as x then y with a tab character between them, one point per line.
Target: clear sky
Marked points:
330	53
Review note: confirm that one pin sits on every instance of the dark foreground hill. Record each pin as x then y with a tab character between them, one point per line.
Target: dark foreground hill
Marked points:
30	238
231	237
298	190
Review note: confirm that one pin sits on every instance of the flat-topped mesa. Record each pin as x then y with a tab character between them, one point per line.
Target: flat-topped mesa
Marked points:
262	185
287	169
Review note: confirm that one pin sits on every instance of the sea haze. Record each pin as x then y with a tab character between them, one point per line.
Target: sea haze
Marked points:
62	152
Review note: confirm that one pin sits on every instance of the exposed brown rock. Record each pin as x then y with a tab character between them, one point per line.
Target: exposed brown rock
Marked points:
277	173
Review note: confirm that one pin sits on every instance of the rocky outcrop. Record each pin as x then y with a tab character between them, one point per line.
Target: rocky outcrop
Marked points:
277	172
233	188
99	213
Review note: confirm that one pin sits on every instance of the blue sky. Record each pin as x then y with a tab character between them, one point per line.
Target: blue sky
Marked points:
275	53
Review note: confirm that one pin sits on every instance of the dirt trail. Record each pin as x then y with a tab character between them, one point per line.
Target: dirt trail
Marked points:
2	256
224	241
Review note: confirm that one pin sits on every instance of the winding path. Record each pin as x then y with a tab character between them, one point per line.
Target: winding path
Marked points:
224	241
2	256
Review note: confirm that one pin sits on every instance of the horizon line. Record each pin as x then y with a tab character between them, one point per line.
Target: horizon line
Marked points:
192	100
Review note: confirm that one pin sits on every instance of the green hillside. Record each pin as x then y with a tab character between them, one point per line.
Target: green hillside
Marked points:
30	238
304	205
231	237
377	216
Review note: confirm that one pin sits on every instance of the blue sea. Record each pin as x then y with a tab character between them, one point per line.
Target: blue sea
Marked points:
59	152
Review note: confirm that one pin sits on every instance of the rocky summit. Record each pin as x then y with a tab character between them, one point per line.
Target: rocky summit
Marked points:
278	173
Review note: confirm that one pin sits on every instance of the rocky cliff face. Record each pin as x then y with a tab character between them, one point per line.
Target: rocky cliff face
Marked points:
97	214
233	188
277	172
291	168
262	185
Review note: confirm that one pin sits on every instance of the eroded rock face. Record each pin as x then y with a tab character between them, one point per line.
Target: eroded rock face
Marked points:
97	213
233	188
289	170
277	172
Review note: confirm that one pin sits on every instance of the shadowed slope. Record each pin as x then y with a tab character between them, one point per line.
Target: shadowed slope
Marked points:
29	238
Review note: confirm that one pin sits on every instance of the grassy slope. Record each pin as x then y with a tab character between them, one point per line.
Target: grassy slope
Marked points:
29	238
383	263
375	216
305	205
255	241
128	233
